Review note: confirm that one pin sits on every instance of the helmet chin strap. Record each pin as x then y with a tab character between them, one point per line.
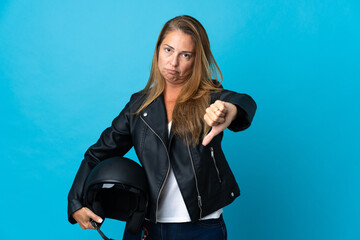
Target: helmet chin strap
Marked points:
99	231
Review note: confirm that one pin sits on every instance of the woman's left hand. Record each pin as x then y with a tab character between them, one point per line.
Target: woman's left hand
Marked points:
218	116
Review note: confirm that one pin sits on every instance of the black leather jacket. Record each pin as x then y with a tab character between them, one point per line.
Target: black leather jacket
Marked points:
202	172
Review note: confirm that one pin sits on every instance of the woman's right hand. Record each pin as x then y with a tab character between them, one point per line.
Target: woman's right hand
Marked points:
83	217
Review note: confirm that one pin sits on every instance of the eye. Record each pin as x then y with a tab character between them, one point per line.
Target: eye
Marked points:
186	55
167	50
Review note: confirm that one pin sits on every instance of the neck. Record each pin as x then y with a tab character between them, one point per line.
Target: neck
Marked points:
171	92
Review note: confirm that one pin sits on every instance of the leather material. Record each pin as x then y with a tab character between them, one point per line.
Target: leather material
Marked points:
195	169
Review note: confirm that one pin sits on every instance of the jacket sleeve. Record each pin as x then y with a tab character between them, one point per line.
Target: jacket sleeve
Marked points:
246	108
113	141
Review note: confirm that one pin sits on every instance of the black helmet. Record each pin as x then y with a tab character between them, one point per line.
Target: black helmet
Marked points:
117	188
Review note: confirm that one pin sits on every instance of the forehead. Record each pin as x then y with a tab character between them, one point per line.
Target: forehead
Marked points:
179	41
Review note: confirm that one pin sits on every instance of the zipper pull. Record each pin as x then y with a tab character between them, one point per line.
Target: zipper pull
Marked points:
212	152
199	201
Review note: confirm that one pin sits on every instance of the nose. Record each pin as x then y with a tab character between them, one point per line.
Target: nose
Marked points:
174	61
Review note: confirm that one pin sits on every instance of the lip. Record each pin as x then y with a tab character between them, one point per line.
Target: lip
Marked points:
171	71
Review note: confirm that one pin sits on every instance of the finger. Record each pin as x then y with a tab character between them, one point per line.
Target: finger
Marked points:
94	217
218	109
213	116
81	217
209	121
220	105
219	113
89	225
85	224
82	226
209	137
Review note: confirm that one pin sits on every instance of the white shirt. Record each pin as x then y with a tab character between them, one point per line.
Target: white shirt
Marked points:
172	207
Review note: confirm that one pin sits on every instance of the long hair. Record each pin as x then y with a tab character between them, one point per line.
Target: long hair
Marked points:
194	98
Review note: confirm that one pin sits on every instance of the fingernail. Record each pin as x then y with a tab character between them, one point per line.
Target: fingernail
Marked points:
100	220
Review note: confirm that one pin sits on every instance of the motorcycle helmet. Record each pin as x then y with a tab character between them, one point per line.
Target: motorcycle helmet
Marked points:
117	188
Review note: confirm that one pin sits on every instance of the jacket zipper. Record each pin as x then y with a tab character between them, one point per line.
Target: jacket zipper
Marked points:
196	181
168	171
216	167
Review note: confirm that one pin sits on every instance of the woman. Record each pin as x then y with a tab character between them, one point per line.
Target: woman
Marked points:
175	125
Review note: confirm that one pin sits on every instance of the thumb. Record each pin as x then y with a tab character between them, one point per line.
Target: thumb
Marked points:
94	217
210	136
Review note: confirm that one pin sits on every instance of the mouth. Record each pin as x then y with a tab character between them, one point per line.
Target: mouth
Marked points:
171	71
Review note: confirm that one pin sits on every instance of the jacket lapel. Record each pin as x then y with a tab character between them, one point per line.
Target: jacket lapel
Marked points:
156	119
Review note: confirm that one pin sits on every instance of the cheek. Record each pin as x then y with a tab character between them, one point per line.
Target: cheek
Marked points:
161	66
188	68
162	61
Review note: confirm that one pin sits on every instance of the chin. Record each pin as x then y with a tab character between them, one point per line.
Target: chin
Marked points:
171	78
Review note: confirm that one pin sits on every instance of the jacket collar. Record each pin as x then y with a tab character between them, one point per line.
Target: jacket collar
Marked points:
155	117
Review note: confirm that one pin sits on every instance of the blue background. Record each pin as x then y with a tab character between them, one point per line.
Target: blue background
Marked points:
67	68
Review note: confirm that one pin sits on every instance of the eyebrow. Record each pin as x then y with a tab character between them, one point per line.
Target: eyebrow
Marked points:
181	51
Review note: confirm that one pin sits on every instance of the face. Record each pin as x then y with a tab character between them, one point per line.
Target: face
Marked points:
176	57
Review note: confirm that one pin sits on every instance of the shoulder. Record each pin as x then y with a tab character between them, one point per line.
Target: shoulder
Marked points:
137	96
136	100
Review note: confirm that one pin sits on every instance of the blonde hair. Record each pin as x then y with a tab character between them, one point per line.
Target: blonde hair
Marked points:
194	97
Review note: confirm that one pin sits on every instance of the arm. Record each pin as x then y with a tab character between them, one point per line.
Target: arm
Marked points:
246	108
114	141
231	110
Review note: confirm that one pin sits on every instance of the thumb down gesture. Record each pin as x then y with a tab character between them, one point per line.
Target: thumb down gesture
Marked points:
218	116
